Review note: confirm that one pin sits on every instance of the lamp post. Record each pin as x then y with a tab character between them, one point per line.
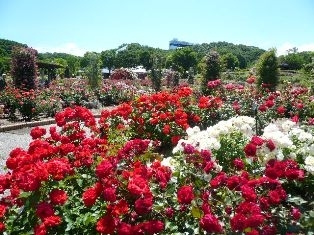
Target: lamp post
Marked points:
255	110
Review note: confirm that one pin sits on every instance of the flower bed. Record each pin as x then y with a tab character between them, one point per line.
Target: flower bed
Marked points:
21	105
166	163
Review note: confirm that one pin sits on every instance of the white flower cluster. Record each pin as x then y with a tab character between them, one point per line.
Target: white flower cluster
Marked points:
209	138
286	135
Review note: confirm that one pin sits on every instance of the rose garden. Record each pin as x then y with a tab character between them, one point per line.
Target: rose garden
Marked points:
171	155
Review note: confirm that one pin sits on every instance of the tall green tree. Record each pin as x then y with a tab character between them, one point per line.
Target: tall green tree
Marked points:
267	70
108	59
93	69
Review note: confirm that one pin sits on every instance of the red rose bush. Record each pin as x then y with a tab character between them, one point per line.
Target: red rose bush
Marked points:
147	167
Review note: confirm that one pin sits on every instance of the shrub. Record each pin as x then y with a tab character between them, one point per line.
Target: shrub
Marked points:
210	70
156	75
123	73
23	68
267	70
93	70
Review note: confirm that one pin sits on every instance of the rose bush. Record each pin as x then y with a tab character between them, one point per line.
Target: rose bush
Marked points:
147	168
173	162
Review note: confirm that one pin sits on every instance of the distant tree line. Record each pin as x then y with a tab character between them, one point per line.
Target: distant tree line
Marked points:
184	60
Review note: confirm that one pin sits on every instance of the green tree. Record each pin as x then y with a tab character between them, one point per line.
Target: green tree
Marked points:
229	61
182	59
156	74
267	70
210	70
128	56
293	60
93	69
146	58
24	68
108	59
63	63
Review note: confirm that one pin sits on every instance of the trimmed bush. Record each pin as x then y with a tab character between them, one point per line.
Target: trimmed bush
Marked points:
23	68
267	70
210	70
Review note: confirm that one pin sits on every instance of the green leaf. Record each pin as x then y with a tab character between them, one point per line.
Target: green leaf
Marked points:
297	200
196	212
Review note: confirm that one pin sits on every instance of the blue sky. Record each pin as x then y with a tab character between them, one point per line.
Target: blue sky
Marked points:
77	26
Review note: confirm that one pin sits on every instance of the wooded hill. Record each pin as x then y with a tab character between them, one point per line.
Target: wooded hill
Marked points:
246	55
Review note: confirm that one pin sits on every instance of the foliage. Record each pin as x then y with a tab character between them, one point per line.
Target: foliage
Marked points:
210	70
92	70
108	59
247	55
73	62
267	70
182	59
24	68
229	61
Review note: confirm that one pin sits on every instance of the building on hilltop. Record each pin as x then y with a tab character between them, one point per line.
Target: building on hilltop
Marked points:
175	43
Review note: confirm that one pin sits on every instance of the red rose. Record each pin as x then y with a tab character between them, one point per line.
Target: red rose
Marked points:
296	214
2	227
3	210
124	229
270	145
90	196
269	103
44	209
143	205
250	150
120	208
58	168
185	194
257	140
106	225
153	226
262	108
138	186
175	139
248	193
210	224
218	180
281	110
110	194
166	129
104	169
37	132
238	164
233	182
237	222
169	212
52	221
40	230
58	197
255	220
274	197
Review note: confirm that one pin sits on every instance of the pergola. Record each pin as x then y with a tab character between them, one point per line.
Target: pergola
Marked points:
49	69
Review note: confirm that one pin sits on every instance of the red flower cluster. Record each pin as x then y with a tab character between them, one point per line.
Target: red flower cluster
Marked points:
162	116
213	84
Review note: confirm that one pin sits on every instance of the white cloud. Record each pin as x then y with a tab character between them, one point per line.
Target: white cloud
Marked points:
69	48
282	50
